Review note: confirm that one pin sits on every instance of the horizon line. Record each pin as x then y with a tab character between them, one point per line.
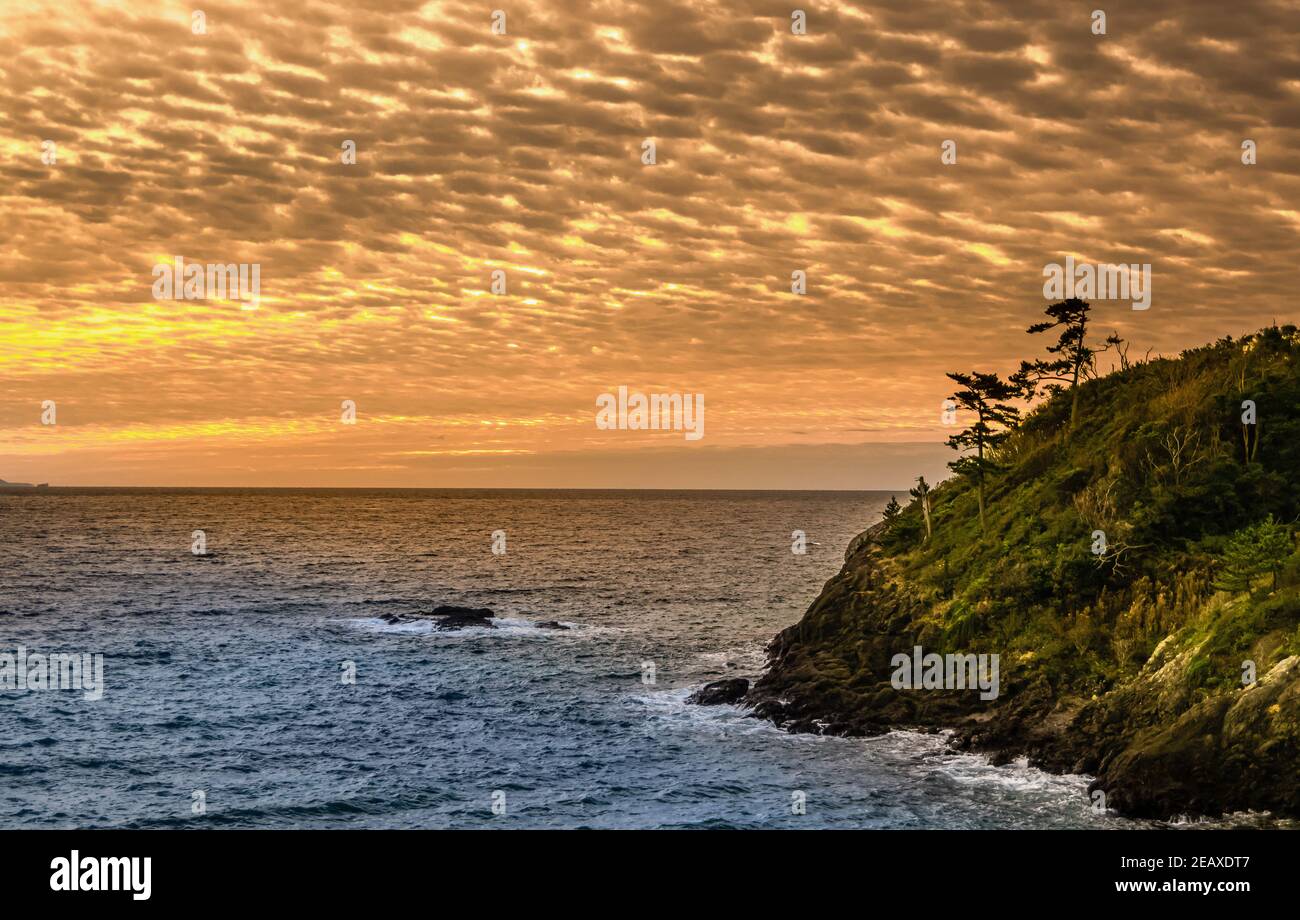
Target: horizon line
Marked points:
13	488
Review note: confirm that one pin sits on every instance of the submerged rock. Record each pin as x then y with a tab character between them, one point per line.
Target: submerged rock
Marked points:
453	616
720	692
448	616
456	622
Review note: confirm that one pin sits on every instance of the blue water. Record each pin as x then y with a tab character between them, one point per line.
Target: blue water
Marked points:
223	675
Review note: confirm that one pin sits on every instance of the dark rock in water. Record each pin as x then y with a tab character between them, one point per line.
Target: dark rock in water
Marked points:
550	624
473	613
450	616
718	692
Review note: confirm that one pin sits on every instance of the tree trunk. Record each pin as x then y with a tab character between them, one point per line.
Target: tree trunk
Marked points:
925	511
1074	396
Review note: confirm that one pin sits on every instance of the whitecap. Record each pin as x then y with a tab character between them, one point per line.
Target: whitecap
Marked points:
503	627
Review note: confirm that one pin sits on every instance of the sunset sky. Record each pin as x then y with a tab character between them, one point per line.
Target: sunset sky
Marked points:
523	152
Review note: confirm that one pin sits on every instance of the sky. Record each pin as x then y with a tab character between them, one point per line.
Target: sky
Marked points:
132	133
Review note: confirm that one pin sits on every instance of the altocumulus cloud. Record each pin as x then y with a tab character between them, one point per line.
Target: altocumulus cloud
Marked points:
522	152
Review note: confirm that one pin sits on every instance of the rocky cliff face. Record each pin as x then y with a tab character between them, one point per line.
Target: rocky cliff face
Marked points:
1181	696
1156	744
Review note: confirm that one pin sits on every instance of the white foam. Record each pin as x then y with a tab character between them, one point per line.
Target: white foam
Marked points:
669	709
748	659
503	627
932	752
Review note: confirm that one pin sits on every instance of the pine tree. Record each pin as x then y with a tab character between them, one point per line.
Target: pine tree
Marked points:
892	511
1259	549
985	395
1075	360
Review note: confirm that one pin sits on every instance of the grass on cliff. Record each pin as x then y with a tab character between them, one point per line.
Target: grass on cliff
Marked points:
1159	461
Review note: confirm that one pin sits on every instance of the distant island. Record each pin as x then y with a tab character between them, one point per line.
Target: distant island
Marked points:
1126	552
4	484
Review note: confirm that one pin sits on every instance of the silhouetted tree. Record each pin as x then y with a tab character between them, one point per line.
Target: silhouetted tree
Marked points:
1121	347
1074	359
985	395
922	494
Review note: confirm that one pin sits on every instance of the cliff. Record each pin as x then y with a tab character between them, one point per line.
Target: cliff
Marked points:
1163	659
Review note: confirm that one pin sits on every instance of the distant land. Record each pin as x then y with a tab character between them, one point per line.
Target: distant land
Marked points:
22	485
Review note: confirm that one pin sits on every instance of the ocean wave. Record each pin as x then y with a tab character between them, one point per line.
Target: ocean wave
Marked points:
503	627
744	660
669	707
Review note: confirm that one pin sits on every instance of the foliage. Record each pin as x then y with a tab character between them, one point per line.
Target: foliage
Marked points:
986	395
1254	551
1074	359
921	493
1154	461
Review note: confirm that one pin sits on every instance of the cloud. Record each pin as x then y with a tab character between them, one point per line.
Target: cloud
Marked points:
522	152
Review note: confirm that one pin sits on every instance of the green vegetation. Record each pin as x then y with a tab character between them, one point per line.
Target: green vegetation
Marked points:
1074	360
1260	549
921	492
1151	463
1127	549
986	395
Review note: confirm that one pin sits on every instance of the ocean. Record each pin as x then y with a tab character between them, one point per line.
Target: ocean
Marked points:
226	695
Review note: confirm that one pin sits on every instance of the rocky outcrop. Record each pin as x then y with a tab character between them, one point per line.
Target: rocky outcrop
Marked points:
1124	560
450	616
1159	744
720	692
1231	751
